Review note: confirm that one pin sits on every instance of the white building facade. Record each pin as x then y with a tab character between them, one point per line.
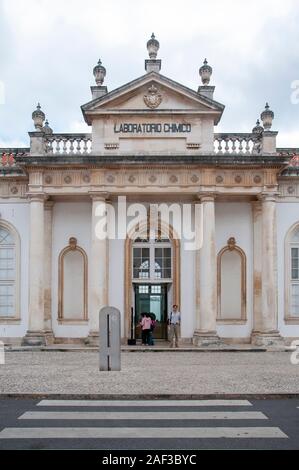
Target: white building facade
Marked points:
152	142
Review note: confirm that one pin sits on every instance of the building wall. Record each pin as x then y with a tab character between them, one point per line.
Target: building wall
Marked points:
287	215
17	214
74	219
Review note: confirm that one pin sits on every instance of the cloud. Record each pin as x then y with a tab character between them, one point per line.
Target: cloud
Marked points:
288	139
48	49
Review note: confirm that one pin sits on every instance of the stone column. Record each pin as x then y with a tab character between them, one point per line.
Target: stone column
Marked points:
98	269
257	265
206	278
267	333
48	272
36	334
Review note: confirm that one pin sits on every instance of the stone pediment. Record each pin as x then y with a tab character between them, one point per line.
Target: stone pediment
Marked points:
152	94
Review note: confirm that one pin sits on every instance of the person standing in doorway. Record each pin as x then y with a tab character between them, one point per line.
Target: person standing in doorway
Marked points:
153	325
174	321
146	323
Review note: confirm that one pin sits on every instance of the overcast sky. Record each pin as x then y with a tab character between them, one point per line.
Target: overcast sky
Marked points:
48	49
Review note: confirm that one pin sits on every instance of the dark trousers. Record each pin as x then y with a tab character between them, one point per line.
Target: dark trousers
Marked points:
151	341
145	336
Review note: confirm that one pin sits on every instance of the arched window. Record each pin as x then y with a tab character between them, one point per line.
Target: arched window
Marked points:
72	303
292	275
9	273
152	259
231	283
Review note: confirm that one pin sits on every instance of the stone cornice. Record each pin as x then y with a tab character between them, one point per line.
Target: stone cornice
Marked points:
100	161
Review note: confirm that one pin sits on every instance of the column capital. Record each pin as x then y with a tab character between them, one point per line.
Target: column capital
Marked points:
99	195
268	197
37	197
49	205
206	197
256	204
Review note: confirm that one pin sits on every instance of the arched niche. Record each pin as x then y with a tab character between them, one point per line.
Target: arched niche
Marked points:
72	283
231	284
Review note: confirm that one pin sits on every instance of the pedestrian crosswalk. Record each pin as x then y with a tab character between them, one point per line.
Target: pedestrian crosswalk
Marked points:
113	415
133	419
144	403
145	433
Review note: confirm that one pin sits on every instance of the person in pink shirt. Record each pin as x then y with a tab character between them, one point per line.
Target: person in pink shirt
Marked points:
146	323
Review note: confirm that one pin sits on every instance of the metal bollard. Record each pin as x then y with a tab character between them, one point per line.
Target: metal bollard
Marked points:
109	336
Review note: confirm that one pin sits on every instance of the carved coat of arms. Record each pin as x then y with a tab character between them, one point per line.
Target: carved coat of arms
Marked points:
153	98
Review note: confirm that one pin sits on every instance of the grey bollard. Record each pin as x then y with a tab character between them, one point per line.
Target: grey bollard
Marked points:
109	336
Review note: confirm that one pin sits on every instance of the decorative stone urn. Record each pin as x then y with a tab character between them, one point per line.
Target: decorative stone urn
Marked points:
99	73
152	47
205	72
258	129
267	117
47	129
38	117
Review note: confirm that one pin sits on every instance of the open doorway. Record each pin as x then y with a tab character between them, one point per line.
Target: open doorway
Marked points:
152	298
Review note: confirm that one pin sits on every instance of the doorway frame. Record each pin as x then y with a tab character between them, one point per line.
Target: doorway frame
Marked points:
129	302
164	291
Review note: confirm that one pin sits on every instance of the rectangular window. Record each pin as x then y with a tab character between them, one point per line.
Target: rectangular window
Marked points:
7	264
156	289
143	289
7	308
141	263
163	263
295	263
295	300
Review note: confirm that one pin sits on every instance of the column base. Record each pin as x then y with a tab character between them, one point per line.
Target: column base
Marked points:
92	339
49	337
267	339
206	338
34	338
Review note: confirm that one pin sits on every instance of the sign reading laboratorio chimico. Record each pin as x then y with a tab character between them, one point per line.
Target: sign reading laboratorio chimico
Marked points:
151	128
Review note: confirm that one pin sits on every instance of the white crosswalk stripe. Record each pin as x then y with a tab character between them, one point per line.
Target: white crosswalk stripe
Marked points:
144	403
112	415
132	410
149	433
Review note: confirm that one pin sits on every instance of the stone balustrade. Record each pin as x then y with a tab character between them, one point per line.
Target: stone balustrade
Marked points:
288	151
64	144
237	143
224	143
7	155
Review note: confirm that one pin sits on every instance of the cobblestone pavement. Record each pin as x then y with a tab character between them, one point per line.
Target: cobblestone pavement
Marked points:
56	372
